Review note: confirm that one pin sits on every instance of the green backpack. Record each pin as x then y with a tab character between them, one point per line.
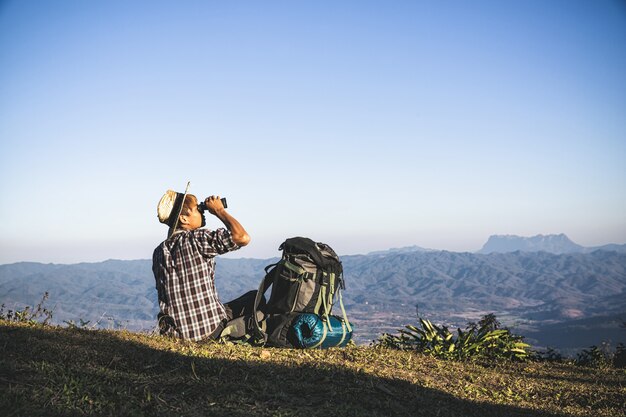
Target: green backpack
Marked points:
307	279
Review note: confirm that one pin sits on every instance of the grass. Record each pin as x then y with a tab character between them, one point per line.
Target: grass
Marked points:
47	371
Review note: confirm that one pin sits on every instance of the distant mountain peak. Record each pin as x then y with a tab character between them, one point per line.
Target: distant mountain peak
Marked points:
555	243
405	249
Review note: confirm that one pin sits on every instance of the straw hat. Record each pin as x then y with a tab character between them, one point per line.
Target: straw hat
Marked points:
169	208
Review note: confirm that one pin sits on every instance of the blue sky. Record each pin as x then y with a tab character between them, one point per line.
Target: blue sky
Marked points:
364	124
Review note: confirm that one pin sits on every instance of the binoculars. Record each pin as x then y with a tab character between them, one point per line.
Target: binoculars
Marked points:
202	207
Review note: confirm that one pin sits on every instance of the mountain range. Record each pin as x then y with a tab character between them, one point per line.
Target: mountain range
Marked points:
582	295
541	243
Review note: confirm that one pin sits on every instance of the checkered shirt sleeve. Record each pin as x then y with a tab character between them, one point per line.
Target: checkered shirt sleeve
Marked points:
184	270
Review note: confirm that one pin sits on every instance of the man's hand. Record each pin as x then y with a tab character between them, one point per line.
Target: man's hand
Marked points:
214	204
216	208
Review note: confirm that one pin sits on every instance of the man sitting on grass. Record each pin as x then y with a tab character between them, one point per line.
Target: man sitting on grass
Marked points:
184	266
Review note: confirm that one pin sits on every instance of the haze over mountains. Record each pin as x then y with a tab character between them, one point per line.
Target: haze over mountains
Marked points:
540	243
568	300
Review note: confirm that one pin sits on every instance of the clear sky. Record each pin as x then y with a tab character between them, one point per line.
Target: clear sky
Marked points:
362	124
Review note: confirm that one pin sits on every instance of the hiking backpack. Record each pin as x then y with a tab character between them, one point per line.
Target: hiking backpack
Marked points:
305	284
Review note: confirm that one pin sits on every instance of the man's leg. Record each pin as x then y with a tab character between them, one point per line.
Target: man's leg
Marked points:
243	305
217	332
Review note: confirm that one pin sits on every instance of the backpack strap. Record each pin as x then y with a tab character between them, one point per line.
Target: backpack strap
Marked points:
343	311
325	326
343	333
266	282
326	314
260	333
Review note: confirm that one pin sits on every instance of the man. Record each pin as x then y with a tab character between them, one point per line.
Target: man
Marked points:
184	266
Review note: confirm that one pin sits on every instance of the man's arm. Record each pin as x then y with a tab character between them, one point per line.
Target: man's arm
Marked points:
216	208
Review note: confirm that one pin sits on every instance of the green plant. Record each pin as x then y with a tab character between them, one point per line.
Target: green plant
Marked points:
594	357
484	340
619	358
489	322
602	357
73	325
28	315
548	355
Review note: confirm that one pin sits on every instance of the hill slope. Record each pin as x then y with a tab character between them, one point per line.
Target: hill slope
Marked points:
48	371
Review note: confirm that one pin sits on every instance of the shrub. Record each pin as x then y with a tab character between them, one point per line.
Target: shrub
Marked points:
482	340
619	358
602	357
28	315
595	357
549	355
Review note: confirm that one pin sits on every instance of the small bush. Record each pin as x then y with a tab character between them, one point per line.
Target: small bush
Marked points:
37	315
549	355
602	357
73	325
595	357
482	340
619	358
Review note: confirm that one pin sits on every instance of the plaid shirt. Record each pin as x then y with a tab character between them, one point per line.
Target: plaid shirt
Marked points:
184	270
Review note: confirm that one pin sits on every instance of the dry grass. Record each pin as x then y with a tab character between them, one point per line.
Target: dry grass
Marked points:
60	371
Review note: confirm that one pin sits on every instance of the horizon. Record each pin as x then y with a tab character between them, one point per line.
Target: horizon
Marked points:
364	125
235	255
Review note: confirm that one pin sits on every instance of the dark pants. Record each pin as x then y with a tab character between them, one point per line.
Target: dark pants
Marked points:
236	308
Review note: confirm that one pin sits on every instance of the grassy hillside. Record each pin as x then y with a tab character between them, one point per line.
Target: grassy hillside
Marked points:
63	371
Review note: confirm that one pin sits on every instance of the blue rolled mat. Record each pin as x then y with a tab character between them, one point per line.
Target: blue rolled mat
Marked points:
307	330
